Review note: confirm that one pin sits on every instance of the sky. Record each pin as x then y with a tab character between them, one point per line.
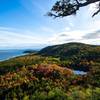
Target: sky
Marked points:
24	24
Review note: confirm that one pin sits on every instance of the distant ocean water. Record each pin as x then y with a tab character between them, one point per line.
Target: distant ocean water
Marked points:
7	54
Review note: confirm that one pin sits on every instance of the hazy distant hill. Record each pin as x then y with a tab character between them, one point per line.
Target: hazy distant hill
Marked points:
72	51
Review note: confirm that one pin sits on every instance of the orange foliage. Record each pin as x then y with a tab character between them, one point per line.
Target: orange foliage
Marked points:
25	75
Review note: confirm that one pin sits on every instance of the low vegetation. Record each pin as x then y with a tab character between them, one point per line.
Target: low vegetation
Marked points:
50	77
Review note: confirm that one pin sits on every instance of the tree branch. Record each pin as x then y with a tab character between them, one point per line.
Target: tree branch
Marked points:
62	8
96	13
87	3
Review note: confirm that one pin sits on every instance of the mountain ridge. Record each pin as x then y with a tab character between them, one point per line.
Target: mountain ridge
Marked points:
72	48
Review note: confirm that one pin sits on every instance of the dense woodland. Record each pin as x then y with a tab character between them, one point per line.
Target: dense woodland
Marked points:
48	74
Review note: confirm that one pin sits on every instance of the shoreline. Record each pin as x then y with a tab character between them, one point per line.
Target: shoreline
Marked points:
5	59
11	57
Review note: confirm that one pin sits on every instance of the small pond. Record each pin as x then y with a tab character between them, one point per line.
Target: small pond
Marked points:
79	72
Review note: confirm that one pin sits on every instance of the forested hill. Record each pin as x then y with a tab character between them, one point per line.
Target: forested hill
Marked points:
72	51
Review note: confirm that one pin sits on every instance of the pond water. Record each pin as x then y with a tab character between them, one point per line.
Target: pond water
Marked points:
79	72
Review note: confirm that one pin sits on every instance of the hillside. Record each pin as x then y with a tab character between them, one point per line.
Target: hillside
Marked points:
48	75
72	51
45	82
76	56
39	79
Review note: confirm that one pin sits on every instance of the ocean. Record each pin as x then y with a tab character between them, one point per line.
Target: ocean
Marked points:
7	54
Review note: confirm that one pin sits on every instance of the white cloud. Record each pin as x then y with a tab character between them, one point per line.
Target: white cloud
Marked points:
76	36
93	25
93	7
66	36
47	29
91	41
11	38
67	28
93	35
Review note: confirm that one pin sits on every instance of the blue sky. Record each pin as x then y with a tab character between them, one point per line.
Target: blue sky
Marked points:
23	24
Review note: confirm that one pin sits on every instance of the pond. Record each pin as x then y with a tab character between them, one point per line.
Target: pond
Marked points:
79	72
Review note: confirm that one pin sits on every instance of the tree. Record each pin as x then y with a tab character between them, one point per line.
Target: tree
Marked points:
63	8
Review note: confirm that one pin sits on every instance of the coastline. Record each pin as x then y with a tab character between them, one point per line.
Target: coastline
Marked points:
12	57
12	54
